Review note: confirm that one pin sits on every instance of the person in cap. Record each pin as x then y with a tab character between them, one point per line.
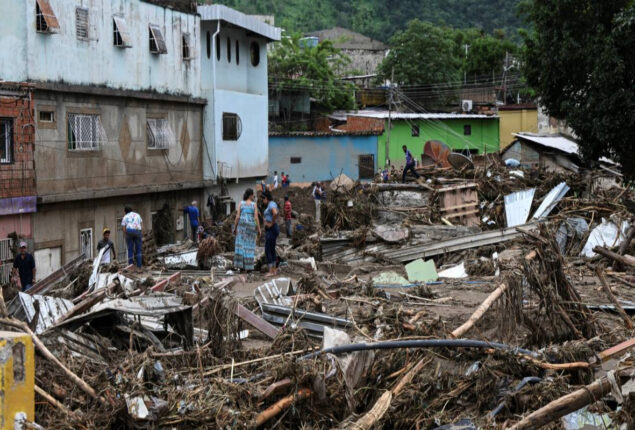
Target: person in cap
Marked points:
105	242
194	215
24	266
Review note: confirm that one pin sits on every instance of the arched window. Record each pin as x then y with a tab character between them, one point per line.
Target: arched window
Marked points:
237	52
229	50
209	45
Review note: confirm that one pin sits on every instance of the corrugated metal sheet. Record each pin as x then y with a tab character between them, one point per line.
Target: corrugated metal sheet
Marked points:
556	141
231	16
51	309
551	200
517	207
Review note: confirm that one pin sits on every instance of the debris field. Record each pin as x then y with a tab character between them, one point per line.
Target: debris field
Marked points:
485	297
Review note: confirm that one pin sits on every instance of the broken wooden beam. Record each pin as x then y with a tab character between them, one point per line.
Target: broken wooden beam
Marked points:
281	405
625	260
617	349
254	320
628	322
161	285
571	402
480	311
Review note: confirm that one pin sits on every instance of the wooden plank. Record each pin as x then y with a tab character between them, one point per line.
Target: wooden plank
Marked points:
617	349
457	187
459	214
160	286
254	320
467	205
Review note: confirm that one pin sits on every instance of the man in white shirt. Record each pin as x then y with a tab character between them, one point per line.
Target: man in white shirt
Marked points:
275	180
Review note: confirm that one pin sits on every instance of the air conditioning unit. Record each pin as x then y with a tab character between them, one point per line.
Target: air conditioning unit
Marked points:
466	105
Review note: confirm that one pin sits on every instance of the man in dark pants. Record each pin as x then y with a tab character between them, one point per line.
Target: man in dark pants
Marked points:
410	164
24	266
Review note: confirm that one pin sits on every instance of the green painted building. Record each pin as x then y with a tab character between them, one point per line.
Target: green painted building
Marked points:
477	133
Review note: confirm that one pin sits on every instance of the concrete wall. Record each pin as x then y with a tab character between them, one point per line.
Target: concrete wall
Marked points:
484	137
58	225
123	161
323	157
241	88
515	121
62	57
20	224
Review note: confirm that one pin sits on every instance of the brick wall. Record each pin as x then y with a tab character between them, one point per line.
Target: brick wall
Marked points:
17	179
360	123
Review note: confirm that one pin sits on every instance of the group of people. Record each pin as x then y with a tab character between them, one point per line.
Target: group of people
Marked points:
247	230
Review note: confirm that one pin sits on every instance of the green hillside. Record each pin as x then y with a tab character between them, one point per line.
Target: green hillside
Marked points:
379	19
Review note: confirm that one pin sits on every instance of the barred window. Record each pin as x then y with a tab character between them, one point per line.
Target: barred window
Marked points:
232	126
81	23
160	134
85	132
6	140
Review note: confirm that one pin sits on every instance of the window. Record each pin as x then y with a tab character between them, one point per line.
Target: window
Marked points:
45	19
414	131
218	47
6	140
160	134
157	42
232	126
209	45
121	35
296	160
81	23
86	242
47	116
237	52
255	54
85	132
185	46
120	243
229	50
366	164
467	130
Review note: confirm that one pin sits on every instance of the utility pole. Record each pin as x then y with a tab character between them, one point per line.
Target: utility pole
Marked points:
392	78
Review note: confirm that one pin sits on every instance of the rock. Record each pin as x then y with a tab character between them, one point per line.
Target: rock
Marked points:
342	183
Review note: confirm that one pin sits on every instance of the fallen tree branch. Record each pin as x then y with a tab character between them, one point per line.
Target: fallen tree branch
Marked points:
480	311
570	403
53	401
628	322
625	260
281	405
47	353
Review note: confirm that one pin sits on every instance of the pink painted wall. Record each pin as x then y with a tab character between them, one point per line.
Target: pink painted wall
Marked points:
21	224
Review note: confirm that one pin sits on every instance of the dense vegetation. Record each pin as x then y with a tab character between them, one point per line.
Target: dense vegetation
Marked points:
580	61
380	19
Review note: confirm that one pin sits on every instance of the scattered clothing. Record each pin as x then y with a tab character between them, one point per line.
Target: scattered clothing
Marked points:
271	236
110	246
25	265
246	234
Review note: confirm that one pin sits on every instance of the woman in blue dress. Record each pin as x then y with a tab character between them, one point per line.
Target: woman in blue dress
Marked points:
247	229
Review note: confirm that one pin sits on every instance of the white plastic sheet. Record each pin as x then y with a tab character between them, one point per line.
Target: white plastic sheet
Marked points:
606	234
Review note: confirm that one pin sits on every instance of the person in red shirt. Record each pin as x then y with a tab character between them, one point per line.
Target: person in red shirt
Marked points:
287	215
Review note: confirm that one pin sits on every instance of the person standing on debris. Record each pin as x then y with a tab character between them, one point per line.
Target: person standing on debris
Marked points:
410	164
247	229
271	232
317	198
24	267
275	180
131	224
195	219
287	215
105	242
285	180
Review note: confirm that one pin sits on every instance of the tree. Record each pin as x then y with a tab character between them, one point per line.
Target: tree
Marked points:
579	59
296	67
421	54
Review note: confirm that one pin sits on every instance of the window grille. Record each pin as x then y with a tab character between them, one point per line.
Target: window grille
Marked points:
85	132
5	273
86	242
366	166
45	19
160	134
5	250
81	23
121	34
232	126
6	140
157	42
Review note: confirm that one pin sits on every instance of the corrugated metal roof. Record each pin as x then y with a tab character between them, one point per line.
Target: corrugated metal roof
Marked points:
223	13
401	115
554	141
323	133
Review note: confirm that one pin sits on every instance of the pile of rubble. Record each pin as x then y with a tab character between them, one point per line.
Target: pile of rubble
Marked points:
480	298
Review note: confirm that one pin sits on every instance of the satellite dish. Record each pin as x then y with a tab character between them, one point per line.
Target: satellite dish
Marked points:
460	161
438	152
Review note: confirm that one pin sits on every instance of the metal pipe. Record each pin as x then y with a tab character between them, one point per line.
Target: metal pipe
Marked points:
418	343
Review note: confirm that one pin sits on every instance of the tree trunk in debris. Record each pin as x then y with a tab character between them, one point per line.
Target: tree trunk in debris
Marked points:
625	260
480	311
281	405
570	403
